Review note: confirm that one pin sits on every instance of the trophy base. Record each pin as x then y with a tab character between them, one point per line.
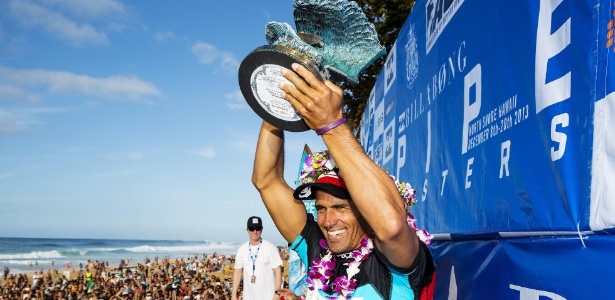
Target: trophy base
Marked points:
259	76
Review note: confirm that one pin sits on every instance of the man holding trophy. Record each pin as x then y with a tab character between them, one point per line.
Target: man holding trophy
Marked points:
363	244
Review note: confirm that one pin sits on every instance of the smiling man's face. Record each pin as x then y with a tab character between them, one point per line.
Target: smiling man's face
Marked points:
338	220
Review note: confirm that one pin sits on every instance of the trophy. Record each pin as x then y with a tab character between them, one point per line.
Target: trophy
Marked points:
334	40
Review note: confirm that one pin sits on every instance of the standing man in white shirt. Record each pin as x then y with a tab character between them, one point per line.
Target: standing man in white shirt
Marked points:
260	263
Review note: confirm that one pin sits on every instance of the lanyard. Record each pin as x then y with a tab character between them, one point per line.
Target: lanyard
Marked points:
253	258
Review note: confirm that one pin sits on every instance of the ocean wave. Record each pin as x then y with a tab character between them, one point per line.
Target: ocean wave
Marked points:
32	255
200	248
32	263
74	252
221	243
181	249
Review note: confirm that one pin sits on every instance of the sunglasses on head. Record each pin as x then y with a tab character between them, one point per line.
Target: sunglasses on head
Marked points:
256	229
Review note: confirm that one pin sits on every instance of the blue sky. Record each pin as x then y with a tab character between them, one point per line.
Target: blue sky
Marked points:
124	119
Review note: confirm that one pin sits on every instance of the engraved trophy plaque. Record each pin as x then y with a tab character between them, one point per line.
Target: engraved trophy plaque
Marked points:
334	40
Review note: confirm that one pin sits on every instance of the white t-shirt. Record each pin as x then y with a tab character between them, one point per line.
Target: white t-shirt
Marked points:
266	258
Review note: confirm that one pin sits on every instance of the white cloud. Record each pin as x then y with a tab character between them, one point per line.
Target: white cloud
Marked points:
77	22
162	36
56	24
228	62
10	123
20	120
208	54
16	93
235	100
98	8
207	152
114	87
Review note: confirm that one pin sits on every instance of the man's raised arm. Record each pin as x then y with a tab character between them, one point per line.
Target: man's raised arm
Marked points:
288	214
372	190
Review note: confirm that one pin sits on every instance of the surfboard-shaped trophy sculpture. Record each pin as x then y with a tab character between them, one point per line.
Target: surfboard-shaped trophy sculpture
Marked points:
334	40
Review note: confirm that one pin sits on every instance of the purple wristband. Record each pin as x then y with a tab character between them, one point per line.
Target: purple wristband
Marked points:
335	123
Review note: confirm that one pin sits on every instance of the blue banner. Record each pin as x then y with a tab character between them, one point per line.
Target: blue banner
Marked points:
555	268
487	109
501	115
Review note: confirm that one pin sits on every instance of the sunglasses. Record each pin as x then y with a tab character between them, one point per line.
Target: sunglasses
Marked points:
255	229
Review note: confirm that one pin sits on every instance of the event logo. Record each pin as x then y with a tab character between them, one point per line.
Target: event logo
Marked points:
390	69
378	153
379	120
412	57
389	142
438	14
444	75
610	34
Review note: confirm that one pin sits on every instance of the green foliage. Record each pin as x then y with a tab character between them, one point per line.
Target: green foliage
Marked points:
388	16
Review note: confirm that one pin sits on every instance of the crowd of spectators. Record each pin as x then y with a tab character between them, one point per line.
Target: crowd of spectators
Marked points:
160	279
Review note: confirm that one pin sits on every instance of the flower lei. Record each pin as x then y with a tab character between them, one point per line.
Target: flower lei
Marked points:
408	194
319	274
322	269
